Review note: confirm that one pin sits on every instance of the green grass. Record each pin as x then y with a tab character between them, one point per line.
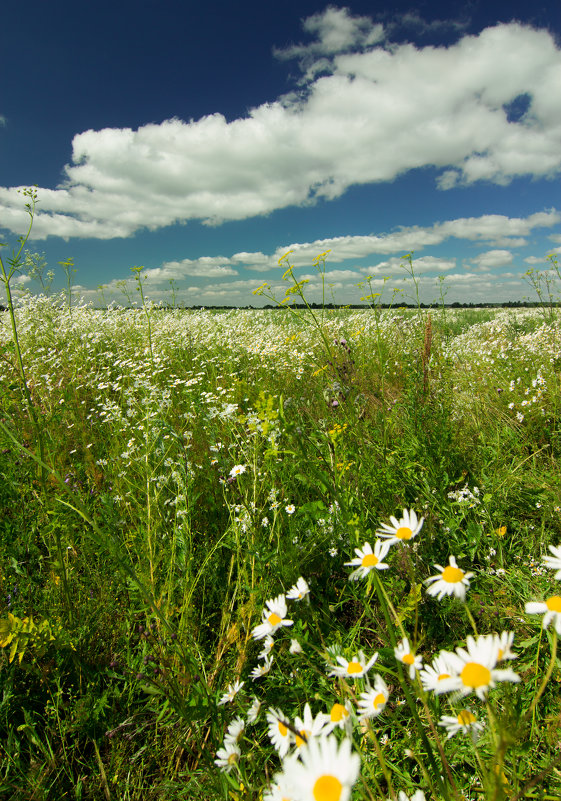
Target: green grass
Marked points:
145	565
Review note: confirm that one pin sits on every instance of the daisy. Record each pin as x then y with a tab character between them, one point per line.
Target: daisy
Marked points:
366	559
552	608
373	701
450	581
279	733
273	618
504	642
262	670
290	509
355	669
298	591
465	722
418	795
237	470
339	718
401	530
474	669
308	726
404	654
325	770
432	675
280	790
235	730
231	692
295	647
554	562
253	711
267	647
227	757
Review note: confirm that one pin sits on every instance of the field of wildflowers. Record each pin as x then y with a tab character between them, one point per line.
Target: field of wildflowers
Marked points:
279	555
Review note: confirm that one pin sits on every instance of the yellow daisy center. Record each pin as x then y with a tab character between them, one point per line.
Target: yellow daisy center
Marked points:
408	659
404	533
232	758
554	603
443	676
370	560
452	575
300	740
274	619
282	728
338	713
466	718
380	700
327	788
475	675
354	667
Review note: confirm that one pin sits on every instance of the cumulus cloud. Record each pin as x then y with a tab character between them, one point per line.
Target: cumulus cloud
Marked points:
493	258
375	110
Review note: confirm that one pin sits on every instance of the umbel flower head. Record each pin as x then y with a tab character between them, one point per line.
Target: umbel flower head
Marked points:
367	560
402	530
274	616
451	580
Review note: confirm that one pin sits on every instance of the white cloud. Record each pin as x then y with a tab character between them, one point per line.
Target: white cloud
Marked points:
204	267
493	258
370	116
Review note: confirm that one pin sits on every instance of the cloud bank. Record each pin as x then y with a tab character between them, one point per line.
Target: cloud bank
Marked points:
483	109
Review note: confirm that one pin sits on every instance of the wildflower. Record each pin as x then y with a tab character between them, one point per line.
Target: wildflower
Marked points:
298	591
308	726
366	559
465	722
355	669
273	618
235	730
418	795
401	530
231	692
227	756
267	647
237	470
279	732
404	654
290	509
504	642
253	711
432	675
373	701
280	790
474	669
450	581
554	562
552	608
325	771
262	670
295	647
339	718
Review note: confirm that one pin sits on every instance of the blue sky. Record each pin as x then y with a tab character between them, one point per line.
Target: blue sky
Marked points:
203	141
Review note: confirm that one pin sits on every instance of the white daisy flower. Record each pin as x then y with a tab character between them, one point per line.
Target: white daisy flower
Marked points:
308	726
253	711
418	795
281	789
554	562
231	692
274	616
227	756
367	560
267	647
373	701
401	530
432	675
295	647
299	591
504	642
450	581
404	654
235	730
474	669
262	670
237	470
465	722
279	733
552	609
325	770
339	718
355	669
290	509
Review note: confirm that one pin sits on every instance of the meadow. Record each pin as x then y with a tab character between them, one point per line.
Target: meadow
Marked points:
279	554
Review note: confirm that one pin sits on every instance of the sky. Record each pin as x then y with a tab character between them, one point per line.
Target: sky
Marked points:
203	141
